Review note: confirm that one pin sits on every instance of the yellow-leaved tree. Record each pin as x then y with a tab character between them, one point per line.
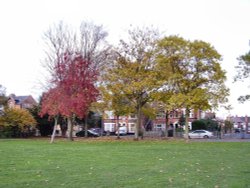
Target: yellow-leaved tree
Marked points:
197	80
132	79
17	121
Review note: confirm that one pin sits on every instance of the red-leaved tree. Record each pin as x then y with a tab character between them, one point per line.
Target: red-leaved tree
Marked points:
51	106
74	89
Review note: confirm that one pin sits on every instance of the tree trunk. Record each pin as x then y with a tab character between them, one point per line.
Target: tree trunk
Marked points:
138	124
166	123
70	129
102	124
117	127
186	123
86	127
54	130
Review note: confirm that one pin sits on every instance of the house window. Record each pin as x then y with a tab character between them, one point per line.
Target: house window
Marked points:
109	127
176	114
159	127
132	116
131	127
160	115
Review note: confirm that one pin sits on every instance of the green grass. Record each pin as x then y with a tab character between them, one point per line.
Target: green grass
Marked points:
36	163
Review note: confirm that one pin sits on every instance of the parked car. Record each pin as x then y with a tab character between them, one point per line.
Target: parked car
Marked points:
200	134
93	132
122	131
237	130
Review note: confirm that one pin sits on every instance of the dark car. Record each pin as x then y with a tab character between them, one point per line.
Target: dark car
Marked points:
237	130
93	132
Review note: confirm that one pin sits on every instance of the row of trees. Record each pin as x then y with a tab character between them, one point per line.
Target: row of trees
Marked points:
137	76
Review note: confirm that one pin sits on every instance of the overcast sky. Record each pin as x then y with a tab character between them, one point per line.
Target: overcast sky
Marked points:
223	23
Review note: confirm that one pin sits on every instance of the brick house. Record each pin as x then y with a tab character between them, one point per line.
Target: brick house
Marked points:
21	101
110	122
240	122
158	124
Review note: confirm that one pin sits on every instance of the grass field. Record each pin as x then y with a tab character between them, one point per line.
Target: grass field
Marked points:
36	163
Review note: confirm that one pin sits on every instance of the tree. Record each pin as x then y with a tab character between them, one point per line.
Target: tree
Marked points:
228	126
182	120
17	120
73	60
75	90
163	96
199	124
196	79
132	74
89	41
119	104
243	72
207	124
51	106
3	98
44	125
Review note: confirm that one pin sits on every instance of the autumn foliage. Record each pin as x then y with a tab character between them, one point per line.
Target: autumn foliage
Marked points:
17	117
74	88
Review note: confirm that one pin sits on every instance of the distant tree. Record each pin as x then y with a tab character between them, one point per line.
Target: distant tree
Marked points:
44	124
207	124
228	126
2	90
198	124
196	78
119	104
182	120
163	96
243	72
3	98
17	120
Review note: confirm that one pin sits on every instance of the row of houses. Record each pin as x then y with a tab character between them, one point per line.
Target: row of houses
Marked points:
158	124
240	122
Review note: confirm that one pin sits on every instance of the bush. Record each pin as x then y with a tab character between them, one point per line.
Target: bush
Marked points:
206	124
198	124
16	132
16	123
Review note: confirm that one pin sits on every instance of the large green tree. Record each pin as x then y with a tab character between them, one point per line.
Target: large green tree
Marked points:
243	72
197	79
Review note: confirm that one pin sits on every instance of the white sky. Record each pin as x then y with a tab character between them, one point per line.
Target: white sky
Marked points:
223	23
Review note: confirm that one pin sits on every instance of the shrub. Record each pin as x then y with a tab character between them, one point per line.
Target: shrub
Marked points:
16	123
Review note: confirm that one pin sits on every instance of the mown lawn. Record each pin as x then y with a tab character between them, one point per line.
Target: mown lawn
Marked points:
36	163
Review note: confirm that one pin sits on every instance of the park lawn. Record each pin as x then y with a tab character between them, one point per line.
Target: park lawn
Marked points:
94	163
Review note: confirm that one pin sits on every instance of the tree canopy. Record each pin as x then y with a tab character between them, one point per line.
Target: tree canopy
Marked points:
17	117
73	60
3	98
243	72
74	91
196	79
132	77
